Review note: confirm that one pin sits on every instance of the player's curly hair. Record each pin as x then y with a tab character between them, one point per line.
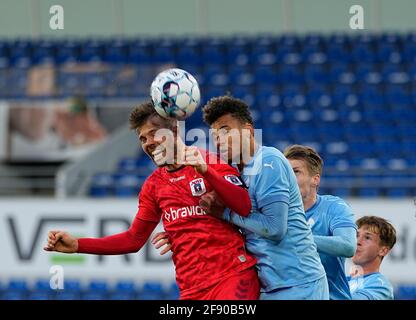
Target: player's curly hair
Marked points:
144	112
382	227
314	162
220	106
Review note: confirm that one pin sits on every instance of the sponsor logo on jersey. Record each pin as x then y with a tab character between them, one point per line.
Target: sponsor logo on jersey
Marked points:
177	179
184	212
197	187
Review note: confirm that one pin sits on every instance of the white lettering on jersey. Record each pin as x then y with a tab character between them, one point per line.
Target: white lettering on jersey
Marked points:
184	212
177	179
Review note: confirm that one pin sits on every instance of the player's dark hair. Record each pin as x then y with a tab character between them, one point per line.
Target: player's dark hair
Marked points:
313	160
144	112
380	226
220	106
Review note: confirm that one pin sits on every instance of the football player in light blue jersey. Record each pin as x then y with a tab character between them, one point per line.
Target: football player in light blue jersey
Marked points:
330	218
276	230
375	238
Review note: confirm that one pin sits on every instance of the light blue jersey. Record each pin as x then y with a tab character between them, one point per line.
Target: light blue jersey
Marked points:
372	286
293	260
327	214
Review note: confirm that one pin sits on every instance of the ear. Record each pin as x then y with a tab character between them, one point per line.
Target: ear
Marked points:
383	251
316	179
249	127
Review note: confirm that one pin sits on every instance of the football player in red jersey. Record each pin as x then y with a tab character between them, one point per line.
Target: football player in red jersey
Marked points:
209	254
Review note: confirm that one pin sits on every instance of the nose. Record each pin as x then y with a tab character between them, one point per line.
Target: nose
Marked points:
149	145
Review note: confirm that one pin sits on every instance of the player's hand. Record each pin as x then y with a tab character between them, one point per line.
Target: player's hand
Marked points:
162	239
211	204
193	157
61	241
356	271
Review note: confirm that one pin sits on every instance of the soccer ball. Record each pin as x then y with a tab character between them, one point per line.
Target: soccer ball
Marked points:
175	94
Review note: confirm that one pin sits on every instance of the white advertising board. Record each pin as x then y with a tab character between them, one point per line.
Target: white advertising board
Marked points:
24	225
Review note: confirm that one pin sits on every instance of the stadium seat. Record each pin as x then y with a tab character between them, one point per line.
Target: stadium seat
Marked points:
151	291
172	292
406	292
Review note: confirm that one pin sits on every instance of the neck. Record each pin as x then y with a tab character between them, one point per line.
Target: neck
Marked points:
172	167
371	267
253	149
309	202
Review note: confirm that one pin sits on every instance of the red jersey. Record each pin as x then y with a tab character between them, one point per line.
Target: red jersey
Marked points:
205	249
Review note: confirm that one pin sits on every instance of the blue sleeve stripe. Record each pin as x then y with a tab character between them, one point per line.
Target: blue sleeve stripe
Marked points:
343	225
273	198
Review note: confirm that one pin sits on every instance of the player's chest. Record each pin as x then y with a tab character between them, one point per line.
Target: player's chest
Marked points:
180	190
318	223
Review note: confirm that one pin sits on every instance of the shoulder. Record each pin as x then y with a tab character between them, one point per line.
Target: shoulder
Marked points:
272	157
378	279
335	203
152	179
214	161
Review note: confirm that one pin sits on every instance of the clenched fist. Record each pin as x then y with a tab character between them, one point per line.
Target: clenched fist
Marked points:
61	241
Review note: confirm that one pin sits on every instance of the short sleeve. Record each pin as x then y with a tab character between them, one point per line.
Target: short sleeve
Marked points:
148	208
342	216
374	291
272	181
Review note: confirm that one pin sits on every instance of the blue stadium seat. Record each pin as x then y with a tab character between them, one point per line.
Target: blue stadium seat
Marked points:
92	51
189	52
341	192
67	51
68	295
97	290
151	291
406	292
213	51
95	295
369	192
39	295
239	50
102	185
397	192
116	51
140	52
14	295
172	293
17	285
42	285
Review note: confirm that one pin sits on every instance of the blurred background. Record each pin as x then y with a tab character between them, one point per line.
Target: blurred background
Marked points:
68	160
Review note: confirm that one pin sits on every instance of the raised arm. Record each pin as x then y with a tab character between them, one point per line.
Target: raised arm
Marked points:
223	178
341	244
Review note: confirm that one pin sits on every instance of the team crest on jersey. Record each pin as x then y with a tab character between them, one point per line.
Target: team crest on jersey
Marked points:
197	187
233	179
